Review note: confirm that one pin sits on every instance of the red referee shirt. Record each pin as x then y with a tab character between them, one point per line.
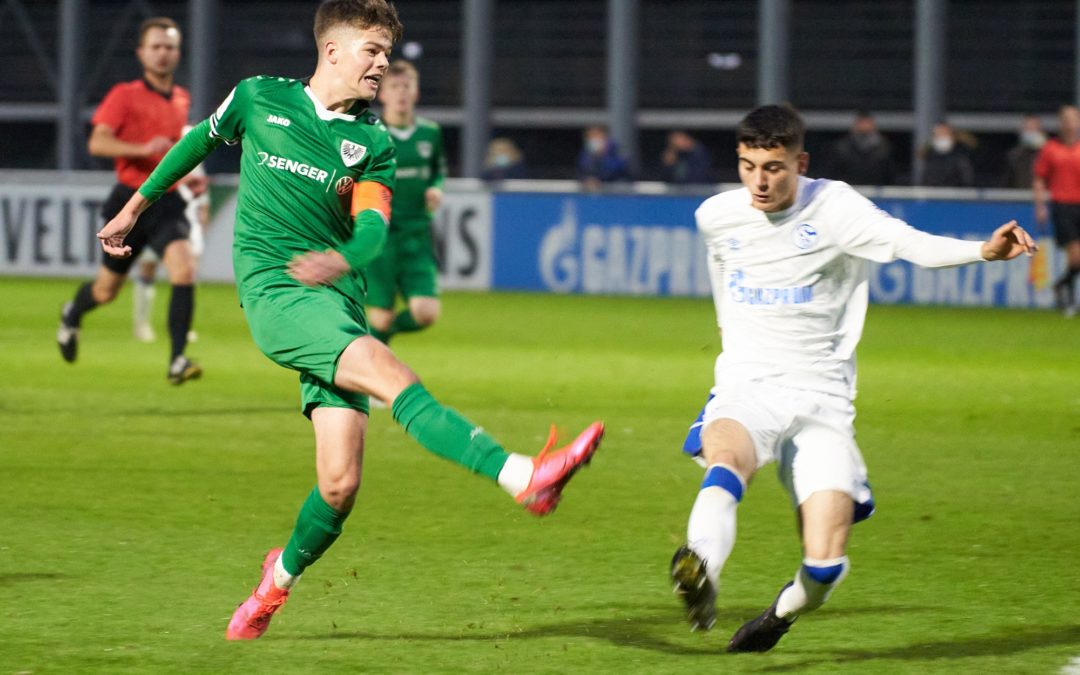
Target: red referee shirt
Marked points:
136	113
1059	165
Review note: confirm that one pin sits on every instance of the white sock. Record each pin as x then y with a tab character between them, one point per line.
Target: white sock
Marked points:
808	593
283	579
143	300
710	532
515	475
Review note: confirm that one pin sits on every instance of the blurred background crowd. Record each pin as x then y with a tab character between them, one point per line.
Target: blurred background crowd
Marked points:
1003	69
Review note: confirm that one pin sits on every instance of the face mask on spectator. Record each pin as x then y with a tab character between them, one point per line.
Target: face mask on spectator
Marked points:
942	144
596	145
867	141
501	160
1032	139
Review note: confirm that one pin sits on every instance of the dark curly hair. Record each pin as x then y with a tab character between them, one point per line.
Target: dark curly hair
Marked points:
772	126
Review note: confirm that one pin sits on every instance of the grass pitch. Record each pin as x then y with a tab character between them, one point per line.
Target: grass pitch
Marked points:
135	514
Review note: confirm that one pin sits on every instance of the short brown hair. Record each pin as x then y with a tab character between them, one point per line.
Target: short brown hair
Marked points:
362	14
162	22
402	67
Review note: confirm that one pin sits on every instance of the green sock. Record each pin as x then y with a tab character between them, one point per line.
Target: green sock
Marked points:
405	322
317	526
445	432
382	336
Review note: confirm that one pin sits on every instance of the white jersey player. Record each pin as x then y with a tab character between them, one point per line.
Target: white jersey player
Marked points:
788	260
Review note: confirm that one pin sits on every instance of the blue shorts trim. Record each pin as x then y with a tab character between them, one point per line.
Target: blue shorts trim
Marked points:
864	510
692	444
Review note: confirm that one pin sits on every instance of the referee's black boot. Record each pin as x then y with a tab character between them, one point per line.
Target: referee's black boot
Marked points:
67	336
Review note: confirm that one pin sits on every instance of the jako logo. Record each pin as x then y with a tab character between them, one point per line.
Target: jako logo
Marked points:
280	121
615	258
293	166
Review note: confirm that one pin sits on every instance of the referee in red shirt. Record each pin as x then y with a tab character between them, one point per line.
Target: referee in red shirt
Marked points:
135	125
1057	170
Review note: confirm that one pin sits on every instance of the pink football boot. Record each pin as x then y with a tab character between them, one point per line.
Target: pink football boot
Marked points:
252	618
553	470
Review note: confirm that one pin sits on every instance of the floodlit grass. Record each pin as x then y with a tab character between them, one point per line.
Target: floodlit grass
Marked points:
135	514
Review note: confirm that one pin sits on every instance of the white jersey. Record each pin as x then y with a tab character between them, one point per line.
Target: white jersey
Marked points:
791	288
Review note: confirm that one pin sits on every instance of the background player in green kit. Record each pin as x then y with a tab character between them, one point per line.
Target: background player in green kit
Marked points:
407	264
315	190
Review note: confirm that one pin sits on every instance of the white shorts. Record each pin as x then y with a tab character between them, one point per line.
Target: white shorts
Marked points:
810	435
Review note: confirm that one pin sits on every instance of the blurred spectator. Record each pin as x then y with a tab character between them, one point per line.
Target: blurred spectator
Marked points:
685	160
600	161
946	161
503	160
863	156
1021	158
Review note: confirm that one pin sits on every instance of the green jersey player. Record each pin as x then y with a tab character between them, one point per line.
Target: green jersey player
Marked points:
313	207
407	265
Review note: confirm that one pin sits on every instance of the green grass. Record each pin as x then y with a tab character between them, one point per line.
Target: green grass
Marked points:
134	514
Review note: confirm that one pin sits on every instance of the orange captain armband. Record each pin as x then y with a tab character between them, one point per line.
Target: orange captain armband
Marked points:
371	195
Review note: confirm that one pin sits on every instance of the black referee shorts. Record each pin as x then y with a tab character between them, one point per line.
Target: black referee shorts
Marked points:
158	226
1066	218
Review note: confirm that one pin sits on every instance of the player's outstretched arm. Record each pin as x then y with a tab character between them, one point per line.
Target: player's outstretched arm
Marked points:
867	232
192	149
177	163
1007	242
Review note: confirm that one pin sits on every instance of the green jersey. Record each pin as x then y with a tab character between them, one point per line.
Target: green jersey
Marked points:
421	165
297	172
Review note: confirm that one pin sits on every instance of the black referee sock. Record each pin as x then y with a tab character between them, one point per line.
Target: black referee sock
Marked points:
181	307
1067	278
83	303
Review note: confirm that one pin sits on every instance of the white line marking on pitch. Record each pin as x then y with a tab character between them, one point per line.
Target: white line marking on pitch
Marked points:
1072	668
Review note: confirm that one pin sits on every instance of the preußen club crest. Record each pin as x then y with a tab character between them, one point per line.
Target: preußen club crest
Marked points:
352	153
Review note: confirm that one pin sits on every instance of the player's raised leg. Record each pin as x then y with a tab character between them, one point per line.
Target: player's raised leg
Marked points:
826	519
368	366
339	452
728	451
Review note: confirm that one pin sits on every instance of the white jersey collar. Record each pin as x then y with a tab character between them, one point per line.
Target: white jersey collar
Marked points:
401	133
323	112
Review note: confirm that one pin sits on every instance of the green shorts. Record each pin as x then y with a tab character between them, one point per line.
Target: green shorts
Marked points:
306	329
406	266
